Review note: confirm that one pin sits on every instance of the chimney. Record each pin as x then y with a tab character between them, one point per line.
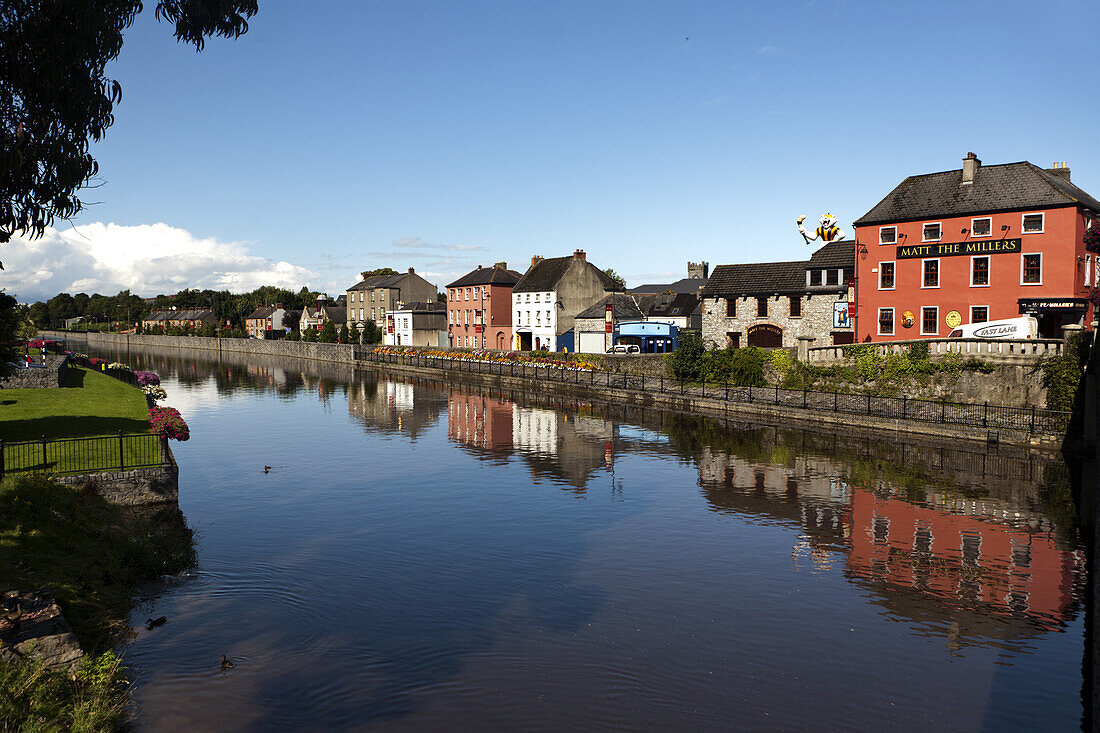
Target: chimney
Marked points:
412	271
578	254
1060	169
971	164
501	265
278	306
479	267
535	259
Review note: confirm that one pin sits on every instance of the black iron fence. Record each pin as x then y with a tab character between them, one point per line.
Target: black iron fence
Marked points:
982	416
85	455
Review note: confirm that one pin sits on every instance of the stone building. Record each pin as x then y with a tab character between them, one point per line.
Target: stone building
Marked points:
771	304
375	295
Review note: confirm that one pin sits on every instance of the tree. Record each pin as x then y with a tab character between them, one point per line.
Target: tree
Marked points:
380	271
345	335
11	321
684	363
440	297
328	333
309	334
616	277
372	334
55	99
353	334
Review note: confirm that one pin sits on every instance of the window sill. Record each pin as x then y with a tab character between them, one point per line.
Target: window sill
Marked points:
979	286
929	287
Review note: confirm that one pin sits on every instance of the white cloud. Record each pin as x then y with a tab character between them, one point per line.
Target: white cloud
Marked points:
146	259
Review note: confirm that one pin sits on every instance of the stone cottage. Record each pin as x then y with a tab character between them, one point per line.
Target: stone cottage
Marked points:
771	304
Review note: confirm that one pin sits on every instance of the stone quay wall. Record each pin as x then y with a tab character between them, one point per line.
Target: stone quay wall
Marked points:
52	376
133	486
294	349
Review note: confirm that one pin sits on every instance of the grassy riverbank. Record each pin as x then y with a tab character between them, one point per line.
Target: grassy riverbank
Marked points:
90	404
92	556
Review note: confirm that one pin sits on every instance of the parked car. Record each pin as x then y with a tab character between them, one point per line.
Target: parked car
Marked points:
1010	328
624	349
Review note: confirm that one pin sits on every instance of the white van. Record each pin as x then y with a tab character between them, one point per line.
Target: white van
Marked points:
1025	327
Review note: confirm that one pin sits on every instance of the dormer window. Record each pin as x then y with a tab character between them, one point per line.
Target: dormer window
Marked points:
832	277
887	235
815	277
932	232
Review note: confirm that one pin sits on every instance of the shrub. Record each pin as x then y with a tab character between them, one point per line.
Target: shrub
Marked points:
155	391
168	420
740	367
918	351
684	362
781	361
145	379
1062	374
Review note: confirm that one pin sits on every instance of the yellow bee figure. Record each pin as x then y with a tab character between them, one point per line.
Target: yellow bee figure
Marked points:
828	231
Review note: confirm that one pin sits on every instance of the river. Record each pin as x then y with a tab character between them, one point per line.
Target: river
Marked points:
432	556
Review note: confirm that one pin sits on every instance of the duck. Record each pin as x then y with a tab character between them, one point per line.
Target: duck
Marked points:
152	623
225	663
12	617
267	468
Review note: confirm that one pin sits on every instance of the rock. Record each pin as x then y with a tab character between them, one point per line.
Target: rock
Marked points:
40	633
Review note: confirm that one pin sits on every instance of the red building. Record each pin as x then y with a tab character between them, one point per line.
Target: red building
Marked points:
479	308
974	245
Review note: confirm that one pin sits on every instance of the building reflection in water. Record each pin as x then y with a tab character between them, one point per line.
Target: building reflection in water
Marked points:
975	545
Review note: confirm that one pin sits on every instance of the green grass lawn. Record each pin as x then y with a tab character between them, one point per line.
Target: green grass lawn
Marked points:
92	404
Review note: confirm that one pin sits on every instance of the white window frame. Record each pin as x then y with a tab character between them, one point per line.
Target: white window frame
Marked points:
979	306
1042	222
939	274
928	224
982	218
1023	256
895	273
923	308
988	271
893	322
881	230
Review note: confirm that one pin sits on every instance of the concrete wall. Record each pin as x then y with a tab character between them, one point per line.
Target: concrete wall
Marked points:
50	377
577	290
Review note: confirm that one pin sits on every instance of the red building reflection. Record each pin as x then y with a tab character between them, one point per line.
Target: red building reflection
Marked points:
1004	566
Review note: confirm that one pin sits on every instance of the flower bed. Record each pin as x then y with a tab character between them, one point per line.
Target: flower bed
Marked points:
493	357
155	392
146	379
168	420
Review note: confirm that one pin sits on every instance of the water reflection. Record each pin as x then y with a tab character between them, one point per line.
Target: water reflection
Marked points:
504	571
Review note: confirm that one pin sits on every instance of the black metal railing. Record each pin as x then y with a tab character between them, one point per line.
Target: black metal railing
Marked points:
981	416
85	455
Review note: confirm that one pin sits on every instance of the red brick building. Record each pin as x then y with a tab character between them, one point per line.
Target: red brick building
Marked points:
479	308
978	244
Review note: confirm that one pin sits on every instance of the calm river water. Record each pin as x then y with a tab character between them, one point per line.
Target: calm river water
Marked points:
429	556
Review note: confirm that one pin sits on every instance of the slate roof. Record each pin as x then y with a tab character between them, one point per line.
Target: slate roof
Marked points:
669	304
333	313
623	308
834	256
264	311
377	281
546	273
180	315
422	307
1004	187
686	285
757	278
487	276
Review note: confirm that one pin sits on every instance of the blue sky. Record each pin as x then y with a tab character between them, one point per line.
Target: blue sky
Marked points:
335	137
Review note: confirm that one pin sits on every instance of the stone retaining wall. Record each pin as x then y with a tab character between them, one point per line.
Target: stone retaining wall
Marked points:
52	376
134	486
295	349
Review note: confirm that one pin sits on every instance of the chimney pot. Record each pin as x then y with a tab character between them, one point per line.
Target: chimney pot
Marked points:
535	259
971	163
501	265
578	254
411	271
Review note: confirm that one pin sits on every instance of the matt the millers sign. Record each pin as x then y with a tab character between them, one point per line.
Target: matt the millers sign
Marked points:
950	249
